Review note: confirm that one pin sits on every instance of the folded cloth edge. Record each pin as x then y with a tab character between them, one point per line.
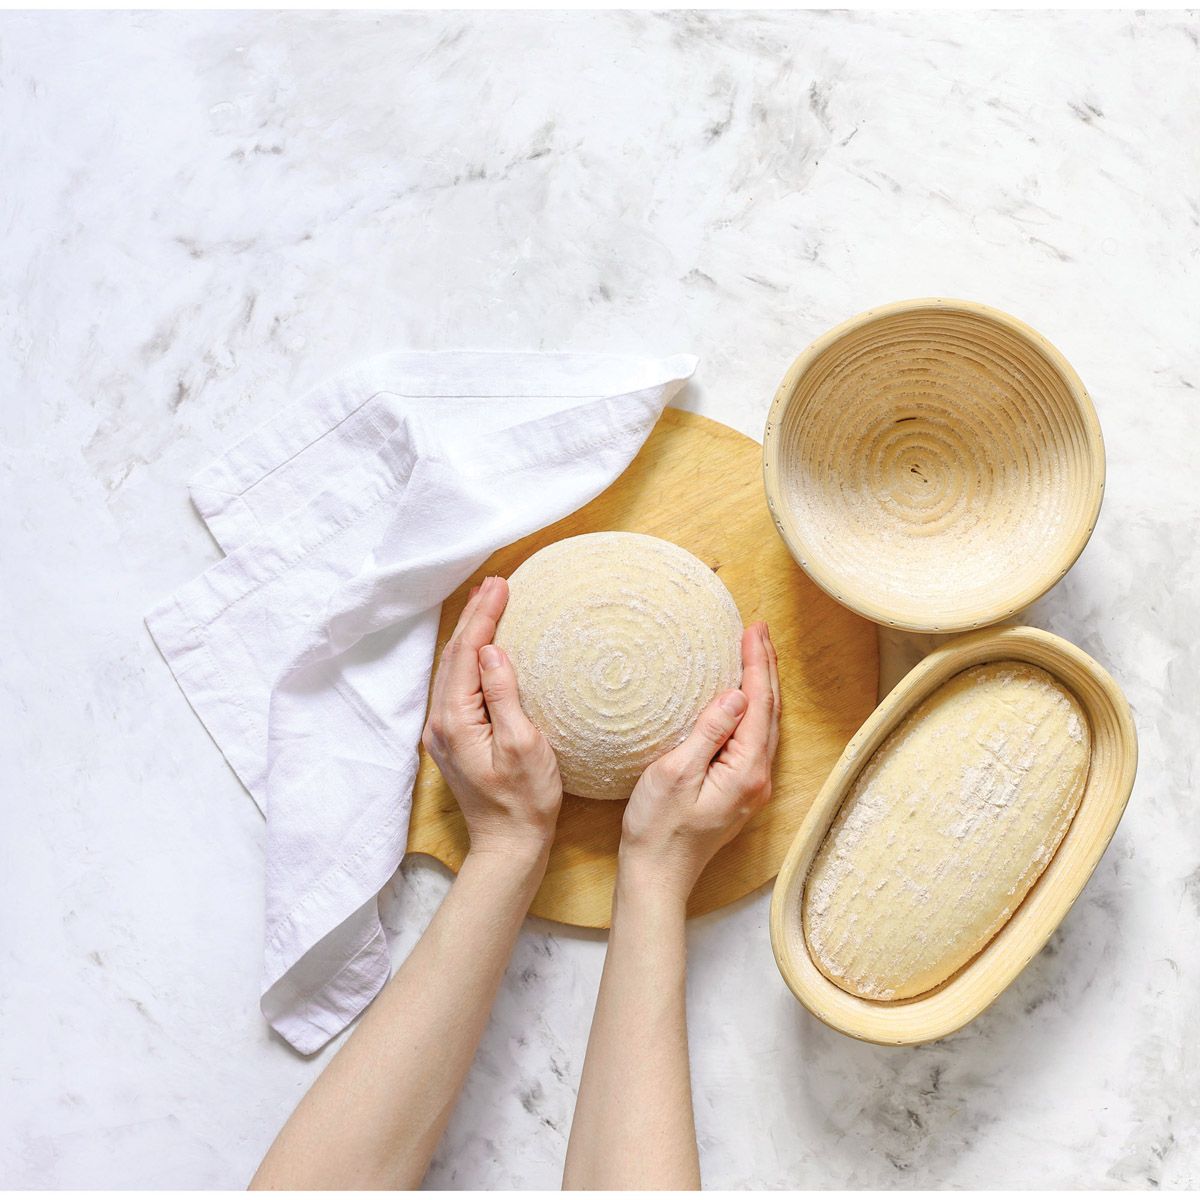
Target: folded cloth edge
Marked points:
175	624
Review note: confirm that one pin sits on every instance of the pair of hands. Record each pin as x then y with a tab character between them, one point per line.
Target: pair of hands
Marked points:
685	807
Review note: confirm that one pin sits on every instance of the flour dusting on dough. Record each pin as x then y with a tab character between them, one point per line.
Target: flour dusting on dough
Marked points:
619	640
946	829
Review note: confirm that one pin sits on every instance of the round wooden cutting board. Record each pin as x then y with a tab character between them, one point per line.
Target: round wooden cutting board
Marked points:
699	484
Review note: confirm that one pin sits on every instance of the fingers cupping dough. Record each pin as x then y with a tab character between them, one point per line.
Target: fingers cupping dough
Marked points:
712	730
773	666
773	663
499	682
459	671
755	730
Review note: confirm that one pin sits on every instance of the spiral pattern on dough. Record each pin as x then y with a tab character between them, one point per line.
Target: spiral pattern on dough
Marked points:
937	468
619	640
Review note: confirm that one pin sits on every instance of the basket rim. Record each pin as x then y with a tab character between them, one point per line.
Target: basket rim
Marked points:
862	602
968	992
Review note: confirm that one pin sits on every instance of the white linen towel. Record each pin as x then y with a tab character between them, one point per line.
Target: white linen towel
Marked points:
307	651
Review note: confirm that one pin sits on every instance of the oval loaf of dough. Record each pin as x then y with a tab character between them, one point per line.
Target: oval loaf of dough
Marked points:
945	830
619	640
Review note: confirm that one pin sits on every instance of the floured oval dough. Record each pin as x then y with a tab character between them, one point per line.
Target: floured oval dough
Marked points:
619	640
945	831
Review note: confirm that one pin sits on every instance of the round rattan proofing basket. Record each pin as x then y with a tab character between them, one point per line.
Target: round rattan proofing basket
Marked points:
934	465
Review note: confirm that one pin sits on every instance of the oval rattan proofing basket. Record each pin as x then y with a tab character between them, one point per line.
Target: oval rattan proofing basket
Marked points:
951	1004
935	465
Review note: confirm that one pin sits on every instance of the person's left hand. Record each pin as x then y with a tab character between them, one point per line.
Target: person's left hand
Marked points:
500	768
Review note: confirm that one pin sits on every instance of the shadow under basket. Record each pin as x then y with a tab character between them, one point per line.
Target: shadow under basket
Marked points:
963	996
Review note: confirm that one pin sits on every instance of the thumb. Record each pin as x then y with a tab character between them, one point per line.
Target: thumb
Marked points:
712	730
499	682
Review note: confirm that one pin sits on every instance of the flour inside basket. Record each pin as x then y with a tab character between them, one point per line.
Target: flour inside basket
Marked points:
945	831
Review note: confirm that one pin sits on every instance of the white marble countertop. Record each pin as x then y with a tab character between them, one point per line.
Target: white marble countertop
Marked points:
202	215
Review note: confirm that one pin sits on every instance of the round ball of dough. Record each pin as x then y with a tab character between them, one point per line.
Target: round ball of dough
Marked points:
619	640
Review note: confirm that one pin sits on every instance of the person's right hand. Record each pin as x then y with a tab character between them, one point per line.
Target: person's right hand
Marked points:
697	797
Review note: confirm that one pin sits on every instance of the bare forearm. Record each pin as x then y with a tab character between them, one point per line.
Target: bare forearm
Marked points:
375	1116
633	1124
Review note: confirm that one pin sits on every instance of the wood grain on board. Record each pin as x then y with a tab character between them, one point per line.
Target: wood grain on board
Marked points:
699	484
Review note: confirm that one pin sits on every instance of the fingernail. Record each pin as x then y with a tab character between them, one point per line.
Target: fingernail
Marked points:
734	703
489	657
